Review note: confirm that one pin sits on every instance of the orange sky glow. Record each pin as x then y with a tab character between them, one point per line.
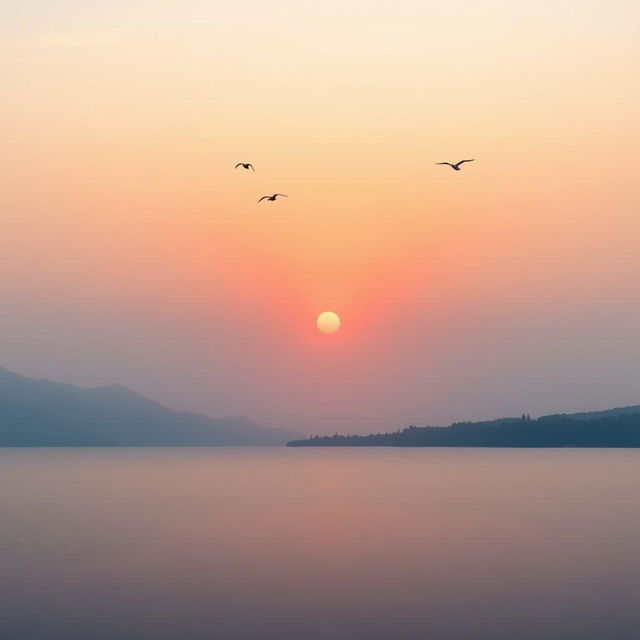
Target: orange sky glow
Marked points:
134	253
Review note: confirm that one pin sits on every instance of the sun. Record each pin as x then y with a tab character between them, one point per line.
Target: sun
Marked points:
328	322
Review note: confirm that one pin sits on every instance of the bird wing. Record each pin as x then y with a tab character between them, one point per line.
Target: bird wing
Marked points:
461	161
250	165
281	194
263	197
238	165
445	163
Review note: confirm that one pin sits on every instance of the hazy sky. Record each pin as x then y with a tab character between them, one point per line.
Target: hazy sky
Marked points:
133	253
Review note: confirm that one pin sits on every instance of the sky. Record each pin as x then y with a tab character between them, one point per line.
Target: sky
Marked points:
133	253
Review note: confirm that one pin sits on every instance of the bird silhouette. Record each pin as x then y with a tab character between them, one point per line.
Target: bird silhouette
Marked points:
244	165
273	197
456	166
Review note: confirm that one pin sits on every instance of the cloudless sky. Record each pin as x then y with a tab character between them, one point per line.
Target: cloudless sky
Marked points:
132	252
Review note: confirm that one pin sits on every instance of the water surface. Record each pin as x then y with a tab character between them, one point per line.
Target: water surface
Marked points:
319	543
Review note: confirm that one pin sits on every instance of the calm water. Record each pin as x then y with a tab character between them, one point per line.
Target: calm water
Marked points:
319	543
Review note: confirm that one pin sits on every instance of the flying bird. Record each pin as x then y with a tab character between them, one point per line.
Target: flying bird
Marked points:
273	197
245	165
456	166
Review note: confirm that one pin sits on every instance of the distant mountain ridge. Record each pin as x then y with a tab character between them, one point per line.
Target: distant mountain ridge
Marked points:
619	427
617	411
44	413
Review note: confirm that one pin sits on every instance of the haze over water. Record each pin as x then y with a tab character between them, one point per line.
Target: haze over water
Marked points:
319	543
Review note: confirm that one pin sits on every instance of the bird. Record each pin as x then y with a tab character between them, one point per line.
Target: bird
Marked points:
273	197
456	166
244	165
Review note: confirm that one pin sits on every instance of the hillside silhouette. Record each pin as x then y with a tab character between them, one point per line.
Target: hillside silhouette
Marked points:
42	413
611	428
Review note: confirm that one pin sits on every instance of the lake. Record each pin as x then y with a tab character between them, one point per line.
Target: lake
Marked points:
280	543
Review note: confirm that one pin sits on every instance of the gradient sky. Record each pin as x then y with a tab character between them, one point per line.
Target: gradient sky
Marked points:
133	253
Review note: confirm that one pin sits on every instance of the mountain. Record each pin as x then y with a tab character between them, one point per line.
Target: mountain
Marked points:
612	428
42	413
618	411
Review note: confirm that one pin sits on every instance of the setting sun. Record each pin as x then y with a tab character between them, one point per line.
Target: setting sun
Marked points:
328	322
198	180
